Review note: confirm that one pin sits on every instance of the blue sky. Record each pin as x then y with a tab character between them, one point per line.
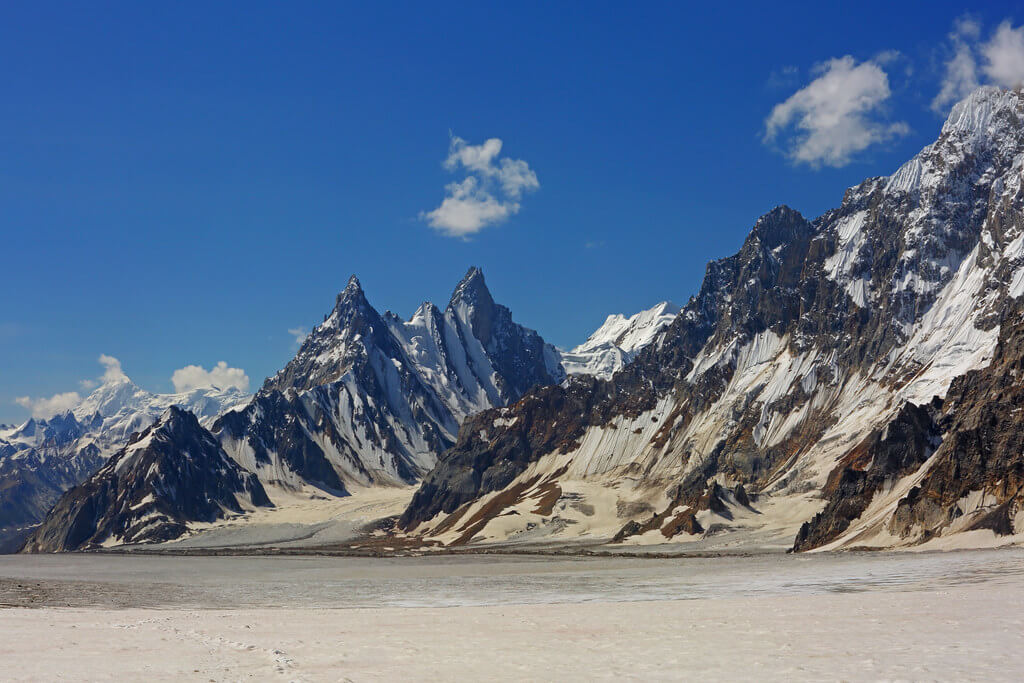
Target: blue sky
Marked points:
183	183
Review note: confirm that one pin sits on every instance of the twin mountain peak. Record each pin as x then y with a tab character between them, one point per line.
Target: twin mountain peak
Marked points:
835	383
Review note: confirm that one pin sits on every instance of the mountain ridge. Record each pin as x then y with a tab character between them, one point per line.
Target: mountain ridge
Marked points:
172	473
813	335
369	399
41	459
801	399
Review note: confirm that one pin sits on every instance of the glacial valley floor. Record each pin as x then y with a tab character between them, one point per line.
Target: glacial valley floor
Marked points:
850	616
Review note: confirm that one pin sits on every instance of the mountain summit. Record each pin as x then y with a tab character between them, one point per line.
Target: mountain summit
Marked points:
172	473
618	340
42	459
777	391
368	399
373	399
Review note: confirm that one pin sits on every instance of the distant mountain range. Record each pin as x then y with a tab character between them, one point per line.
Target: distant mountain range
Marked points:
41	459
617	341
848	381
369	399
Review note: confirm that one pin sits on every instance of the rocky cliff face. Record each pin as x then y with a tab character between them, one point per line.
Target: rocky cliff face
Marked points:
782	372
889	454
372	399
957	468
171	474
976	478
556	419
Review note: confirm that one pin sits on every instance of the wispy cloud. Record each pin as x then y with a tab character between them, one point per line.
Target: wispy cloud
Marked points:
299	333
783	77
971	62
112	368
489	193
45	408
961	72
836	115
196	376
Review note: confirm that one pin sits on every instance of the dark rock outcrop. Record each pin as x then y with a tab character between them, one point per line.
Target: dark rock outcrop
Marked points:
171	474
889	454
981	453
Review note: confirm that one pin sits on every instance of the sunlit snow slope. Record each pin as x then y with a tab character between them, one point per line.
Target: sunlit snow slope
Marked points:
780	374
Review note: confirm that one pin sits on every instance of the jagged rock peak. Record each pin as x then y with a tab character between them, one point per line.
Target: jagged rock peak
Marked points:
779	226
472	290
352	293
175	417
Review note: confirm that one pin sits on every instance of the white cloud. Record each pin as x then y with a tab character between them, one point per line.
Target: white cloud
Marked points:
195	376
999	61
967	28
112	367
300	334
887	57
1005	56
836	115
478	158
961	72
45	408
468	209
489	193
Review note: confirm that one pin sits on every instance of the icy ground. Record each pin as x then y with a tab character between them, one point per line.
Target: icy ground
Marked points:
850	616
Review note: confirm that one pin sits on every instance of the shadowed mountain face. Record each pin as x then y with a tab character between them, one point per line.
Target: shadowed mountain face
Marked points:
172	473
38	462
975	479
372	399
844	381
369	399
41	459
796	361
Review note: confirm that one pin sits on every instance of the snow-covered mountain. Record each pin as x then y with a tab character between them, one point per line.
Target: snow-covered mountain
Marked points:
373	399
41	459
797	361
172	473
126	408
847	381
369	399
617	341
